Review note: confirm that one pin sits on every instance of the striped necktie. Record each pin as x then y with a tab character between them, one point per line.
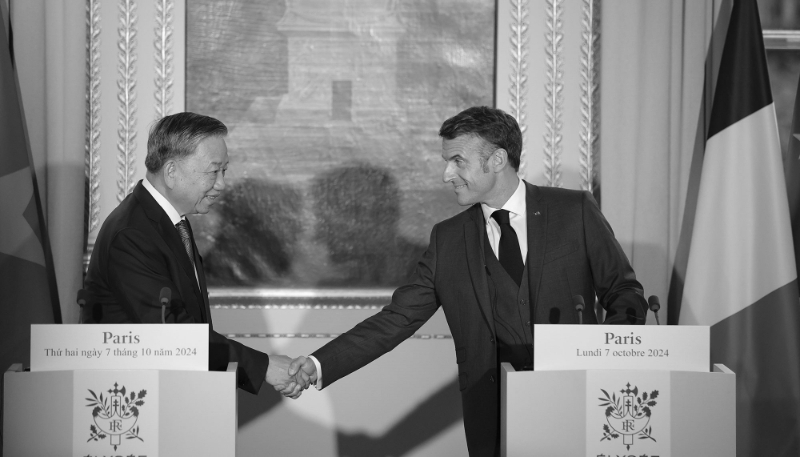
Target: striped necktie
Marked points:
183	229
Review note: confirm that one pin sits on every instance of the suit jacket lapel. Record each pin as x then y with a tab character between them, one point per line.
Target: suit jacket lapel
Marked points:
168	232
474	233
537	236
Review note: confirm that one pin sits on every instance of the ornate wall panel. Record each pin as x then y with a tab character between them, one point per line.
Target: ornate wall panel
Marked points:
127	57
135	72
590	93
552	88
92	115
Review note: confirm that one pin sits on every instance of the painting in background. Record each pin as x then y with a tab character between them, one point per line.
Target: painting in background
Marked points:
333	109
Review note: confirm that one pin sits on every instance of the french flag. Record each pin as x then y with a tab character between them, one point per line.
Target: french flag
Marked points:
738	273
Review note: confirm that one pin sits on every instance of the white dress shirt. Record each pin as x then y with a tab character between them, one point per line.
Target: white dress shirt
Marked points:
173	214
516	216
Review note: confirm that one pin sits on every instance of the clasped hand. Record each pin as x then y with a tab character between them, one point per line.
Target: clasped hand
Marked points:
291	377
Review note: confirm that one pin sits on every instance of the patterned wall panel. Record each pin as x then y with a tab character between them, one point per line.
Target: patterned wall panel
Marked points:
518	77
92	115
547	77
135	74
127	116
590	93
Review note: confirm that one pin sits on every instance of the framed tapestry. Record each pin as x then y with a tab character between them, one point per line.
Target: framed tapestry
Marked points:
333	109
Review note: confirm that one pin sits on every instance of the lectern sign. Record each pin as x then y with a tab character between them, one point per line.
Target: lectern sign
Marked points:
621	347
119	346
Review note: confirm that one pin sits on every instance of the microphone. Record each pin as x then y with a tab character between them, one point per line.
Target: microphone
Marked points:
164	297
82	305
654	306
579	305
81	298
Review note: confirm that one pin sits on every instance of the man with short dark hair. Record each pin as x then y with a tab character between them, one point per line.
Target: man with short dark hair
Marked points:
514	258
146	244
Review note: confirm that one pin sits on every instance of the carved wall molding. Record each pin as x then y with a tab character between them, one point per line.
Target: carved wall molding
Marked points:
92	145
590	93
519	68
554	98
325	335
548	65
163	57
126	96
346	305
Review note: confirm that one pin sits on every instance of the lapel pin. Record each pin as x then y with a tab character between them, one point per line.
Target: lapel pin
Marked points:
536	213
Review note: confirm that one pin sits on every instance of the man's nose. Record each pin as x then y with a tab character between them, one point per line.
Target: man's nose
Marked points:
447	175
219	184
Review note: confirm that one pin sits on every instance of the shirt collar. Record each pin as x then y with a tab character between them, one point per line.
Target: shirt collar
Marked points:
514	205
173	214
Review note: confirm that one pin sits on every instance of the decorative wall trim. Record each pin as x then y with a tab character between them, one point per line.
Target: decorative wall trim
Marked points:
590	106
126	95
236	298
782	39
554	87
163	57
92	145
306	295
324	335
336	307
519	71
87	256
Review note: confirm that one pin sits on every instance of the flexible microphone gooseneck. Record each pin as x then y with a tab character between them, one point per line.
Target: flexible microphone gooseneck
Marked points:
579	306
164	297
654	306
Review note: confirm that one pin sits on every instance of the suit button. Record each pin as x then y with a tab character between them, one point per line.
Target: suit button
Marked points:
529	323
491	340
522	302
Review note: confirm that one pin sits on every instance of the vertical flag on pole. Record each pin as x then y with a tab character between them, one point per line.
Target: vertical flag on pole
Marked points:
740	274
791	167
27	281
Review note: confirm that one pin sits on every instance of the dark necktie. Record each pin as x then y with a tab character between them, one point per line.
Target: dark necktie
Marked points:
510	254
183	229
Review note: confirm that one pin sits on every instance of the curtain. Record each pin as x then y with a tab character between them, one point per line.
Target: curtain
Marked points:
655	100
49	47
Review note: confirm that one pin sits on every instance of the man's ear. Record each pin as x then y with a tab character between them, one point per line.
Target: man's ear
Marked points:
499	159
170	173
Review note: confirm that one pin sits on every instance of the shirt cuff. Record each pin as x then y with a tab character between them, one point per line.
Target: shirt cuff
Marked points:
318	385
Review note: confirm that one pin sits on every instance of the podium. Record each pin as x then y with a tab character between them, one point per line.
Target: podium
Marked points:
85	402
181	413
617	412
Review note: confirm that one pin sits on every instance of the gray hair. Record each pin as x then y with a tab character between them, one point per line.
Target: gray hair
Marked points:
176	136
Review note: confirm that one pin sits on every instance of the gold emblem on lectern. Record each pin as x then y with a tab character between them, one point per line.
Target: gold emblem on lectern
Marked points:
628	415
115	415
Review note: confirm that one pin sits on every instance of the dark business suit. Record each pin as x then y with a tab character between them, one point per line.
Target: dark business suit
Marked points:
571	250
138	252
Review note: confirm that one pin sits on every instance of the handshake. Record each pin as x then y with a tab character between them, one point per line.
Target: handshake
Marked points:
291	377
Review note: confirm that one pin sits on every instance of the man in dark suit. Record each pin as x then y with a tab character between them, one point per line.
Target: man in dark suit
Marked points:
516	257
146	244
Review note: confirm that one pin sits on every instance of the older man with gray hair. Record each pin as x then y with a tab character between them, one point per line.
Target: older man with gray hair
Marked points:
146	244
